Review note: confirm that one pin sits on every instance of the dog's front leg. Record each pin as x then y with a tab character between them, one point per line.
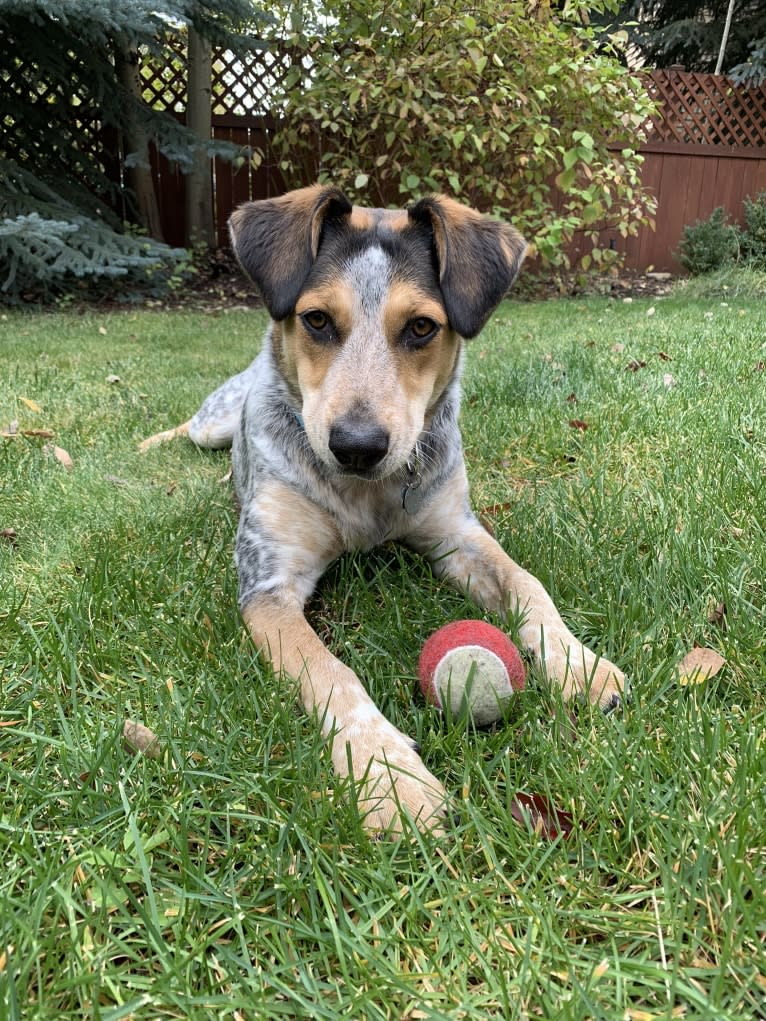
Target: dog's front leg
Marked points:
389	774
283	545
461	550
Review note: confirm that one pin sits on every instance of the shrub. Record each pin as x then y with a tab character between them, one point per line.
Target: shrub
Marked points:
508	110
754	237
709	244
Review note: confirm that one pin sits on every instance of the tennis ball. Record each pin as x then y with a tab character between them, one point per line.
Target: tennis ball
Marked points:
471	667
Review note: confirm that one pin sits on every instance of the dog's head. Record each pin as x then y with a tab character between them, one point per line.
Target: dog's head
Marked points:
369	308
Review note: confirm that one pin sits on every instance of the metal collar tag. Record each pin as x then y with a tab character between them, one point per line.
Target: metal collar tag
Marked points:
412	493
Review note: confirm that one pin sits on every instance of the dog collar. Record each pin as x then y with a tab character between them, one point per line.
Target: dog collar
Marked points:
412	492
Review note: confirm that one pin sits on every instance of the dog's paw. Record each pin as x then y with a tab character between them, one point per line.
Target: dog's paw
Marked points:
393	785
580	672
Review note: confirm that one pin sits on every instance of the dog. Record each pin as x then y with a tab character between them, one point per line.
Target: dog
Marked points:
344	434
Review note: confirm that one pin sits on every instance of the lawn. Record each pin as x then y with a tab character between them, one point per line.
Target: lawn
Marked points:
619	451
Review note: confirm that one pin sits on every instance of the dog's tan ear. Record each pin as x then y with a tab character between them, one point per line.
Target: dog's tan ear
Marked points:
478	259
276	241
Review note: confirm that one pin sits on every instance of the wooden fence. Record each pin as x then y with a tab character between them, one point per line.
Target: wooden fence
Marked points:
705	148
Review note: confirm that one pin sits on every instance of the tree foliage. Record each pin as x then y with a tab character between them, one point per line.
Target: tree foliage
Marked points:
510	112
46	241
667	32
64	109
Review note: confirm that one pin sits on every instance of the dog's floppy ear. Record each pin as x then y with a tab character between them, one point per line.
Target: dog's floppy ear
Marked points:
478	259
276	241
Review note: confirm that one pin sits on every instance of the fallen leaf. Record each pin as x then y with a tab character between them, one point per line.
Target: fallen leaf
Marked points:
663	357
718	614
495	508
43	434
698	665
10	723
140	739
572	399
601	969
536	812
113	379
651	311
577	423
9	534
102	330
32	405
635	365
60	454
668	380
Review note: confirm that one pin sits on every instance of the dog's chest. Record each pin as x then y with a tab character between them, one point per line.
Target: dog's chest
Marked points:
368	513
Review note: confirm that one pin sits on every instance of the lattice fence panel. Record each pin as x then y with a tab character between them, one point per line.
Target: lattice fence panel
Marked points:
67	104
163	80
246	85
242	84
706	109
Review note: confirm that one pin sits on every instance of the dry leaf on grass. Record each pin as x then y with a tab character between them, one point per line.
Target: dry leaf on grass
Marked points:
717	614
536	812
42	434
32	405
9	534
60	454
698	665
140	739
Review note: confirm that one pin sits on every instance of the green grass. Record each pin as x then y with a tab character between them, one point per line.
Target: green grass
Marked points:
731	283
232	879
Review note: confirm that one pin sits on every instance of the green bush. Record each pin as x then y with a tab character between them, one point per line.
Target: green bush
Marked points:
512	112
754	237
710	244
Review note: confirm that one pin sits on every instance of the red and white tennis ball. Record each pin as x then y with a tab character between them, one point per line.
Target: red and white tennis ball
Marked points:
473	667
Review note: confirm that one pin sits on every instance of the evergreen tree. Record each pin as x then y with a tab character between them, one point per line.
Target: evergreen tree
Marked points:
667	32
63	104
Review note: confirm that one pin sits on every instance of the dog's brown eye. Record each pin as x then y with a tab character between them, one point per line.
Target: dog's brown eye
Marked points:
422	327
319	326
316	320
419	331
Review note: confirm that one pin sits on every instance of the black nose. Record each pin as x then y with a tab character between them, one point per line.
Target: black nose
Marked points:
358	444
